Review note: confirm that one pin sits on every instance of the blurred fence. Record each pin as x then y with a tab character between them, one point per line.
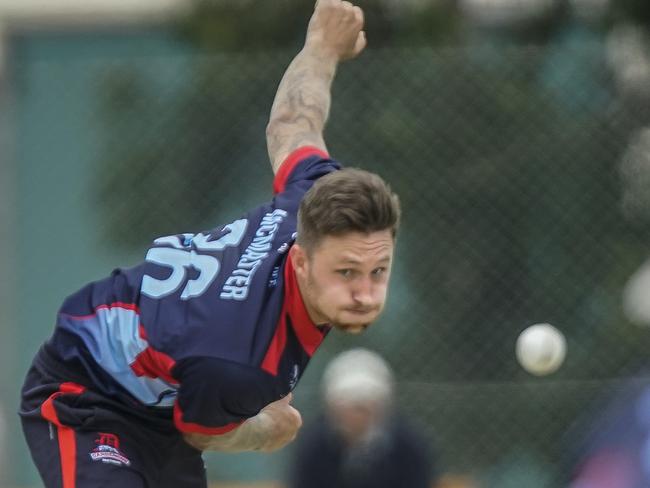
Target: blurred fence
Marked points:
508	164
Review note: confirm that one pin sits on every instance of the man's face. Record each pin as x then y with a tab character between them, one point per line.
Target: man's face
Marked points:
344	281
355	420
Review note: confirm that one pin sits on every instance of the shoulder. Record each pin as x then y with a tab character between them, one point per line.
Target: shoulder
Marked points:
304	164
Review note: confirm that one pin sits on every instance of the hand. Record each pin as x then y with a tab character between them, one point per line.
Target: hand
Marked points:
281	422
336	30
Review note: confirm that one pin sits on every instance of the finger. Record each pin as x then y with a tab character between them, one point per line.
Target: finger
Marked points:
358	14
361	43
298	420
287	399
348	11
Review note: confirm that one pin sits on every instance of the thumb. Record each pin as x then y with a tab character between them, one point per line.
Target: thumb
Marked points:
322	2
361	43
287	399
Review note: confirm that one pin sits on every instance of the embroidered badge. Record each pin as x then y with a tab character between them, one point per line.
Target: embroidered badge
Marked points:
293	378
108	450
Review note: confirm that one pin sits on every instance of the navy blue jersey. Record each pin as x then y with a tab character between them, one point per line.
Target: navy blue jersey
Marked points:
211	324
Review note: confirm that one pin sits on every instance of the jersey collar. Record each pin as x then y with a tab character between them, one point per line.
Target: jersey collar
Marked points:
309	335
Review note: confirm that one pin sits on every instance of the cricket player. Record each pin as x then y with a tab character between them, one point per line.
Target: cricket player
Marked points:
199	347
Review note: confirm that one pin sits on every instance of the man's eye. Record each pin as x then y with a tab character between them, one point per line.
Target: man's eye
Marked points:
378	271
346	273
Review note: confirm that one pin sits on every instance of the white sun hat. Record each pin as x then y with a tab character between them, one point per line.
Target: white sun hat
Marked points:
358	376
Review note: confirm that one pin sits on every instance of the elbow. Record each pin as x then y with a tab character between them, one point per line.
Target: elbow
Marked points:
196	441
270	129
275	142
273	128
282	121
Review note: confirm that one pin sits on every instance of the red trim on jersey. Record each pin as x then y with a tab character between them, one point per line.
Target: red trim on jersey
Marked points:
309	336
152	363
291	161
306	331
143	332
193	428
278	343
65	434
125	306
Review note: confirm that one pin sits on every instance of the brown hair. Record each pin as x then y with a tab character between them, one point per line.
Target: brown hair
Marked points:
350	200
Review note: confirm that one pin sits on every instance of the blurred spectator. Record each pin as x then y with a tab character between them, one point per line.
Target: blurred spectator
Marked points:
361	442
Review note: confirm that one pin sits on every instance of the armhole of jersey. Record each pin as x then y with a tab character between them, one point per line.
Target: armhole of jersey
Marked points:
292	160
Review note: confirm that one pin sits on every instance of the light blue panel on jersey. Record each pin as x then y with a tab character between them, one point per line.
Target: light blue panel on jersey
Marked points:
56	79
111	335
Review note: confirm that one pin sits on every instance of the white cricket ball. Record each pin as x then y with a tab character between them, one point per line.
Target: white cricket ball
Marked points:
541	349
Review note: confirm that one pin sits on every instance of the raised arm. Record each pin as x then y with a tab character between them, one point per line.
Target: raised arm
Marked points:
301	106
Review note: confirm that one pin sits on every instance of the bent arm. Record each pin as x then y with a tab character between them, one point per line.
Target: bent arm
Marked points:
249	436
274	427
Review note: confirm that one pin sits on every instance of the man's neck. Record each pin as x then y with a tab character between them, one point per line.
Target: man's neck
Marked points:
303	289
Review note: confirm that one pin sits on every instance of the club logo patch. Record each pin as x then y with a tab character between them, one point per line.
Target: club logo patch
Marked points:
293	378
108	450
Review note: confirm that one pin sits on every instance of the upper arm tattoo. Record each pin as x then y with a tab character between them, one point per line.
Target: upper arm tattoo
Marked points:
300	108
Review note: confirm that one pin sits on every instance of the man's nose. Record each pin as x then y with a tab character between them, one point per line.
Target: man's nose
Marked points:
362	292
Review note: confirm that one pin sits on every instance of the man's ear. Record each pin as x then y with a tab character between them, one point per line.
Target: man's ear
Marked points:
298	258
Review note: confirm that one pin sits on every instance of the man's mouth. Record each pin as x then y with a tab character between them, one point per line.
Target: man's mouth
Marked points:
360	311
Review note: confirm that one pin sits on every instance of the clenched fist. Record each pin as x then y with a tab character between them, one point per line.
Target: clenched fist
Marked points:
281	422
336	30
